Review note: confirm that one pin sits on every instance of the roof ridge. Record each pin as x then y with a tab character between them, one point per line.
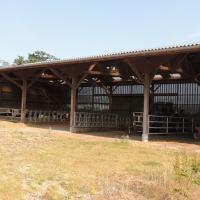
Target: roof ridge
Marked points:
122	53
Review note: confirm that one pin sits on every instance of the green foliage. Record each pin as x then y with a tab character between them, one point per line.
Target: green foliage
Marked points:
188	168
20	60
39	56
36	56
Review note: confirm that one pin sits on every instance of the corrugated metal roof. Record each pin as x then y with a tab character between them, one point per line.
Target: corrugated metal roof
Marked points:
119	55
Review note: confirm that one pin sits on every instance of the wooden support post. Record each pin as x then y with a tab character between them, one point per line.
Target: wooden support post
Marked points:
146	108
23	101
73	104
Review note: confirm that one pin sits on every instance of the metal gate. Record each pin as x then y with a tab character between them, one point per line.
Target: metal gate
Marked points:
158	124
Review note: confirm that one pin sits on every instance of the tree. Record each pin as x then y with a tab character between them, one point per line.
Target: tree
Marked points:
20	60
36	56
39	56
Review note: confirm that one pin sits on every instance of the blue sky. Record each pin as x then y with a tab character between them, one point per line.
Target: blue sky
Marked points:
76	28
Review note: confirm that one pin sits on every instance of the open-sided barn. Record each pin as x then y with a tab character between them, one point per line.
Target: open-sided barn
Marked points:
156	89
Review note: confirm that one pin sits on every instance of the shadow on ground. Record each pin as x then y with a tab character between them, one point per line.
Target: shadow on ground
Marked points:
178	138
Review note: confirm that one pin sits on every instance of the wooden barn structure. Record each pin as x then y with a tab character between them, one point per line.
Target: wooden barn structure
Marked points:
156	89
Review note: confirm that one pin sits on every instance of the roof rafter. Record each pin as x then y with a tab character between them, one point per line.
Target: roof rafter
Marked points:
135	71
36	77
10	79
59	75
91	67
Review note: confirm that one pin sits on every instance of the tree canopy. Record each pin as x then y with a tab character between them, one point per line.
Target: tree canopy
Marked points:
19	60
39	56
36	56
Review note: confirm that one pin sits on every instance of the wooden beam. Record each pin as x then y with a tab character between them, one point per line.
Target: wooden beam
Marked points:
36	77
145	132
11	80
60	75
91	67
100	73
135	71
175	64
23	101
73	104
81	80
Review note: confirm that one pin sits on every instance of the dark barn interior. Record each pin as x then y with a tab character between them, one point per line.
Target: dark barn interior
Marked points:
148	91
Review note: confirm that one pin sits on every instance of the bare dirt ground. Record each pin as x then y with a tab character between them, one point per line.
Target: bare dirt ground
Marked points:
175	142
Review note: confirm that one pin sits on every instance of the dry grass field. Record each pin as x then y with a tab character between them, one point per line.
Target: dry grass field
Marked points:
45	164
